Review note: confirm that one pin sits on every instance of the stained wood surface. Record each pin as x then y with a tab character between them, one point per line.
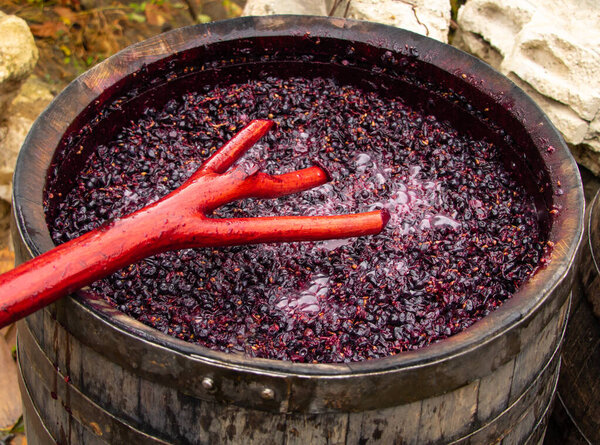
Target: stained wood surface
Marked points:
7	260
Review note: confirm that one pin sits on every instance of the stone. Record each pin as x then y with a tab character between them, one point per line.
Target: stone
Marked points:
34	96
271	7
10	395
552	51
18	56
496	21
12	135
426	17
588	153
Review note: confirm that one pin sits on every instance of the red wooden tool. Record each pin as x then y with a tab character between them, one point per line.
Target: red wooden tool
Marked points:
177	221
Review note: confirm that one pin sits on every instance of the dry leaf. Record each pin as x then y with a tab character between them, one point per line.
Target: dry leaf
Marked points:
10	397
154	15
10	335
66	14
48	29
7	260
19	439
231	8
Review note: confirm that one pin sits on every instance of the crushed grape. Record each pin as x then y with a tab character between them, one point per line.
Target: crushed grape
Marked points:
462	238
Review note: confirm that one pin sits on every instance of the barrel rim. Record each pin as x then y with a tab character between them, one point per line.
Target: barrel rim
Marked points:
566	231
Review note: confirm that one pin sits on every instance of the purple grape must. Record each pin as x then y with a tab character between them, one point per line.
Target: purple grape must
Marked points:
462	238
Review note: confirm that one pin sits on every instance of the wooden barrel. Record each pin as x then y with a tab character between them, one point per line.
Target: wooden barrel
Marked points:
90	374
577	408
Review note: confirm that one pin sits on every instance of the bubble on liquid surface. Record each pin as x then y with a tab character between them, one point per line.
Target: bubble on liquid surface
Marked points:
334	243
307	301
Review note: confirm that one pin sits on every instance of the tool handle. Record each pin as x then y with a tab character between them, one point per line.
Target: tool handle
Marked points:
70	266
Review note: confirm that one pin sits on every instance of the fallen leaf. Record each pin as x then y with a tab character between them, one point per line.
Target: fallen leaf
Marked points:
48	29
66	14
135	17
203	18
10	397
7	260
231	8
19	439
154	15
10	335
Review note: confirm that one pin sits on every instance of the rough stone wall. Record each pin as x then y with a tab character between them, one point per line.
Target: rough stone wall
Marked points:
271	7
427	17
21	100
18	56
552	51
33	96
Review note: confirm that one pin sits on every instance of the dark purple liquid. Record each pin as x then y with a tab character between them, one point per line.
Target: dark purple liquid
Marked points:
462	238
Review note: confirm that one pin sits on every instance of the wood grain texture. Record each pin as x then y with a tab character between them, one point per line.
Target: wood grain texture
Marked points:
390	425
536	354
561	429
447	416
535	400
579	385
494	392
330	429
105	398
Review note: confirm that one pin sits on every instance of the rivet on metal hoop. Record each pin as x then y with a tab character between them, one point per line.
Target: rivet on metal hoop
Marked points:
267	394
208	383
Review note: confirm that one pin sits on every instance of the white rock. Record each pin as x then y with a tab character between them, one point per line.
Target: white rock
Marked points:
427	17
33	97
474	44
497	21
589	149
573	128
593	136
12	134
559	66
550	49
18	56
270	7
